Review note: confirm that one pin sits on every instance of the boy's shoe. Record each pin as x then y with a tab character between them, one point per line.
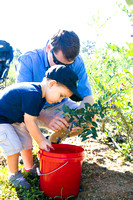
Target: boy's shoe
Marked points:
32	172
18	180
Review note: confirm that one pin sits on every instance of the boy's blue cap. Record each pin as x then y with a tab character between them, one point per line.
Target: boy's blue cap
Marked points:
66	76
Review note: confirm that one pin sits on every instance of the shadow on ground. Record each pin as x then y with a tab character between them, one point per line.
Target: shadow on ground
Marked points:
100	183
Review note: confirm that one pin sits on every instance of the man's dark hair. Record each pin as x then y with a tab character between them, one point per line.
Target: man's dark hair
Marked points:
68	42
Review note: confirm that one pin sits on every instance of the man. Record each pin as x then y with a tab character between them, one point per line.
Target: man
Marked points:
62	48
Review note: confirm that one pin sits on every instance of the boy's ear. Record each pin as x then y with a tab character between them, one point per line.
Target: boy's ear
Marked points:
52	83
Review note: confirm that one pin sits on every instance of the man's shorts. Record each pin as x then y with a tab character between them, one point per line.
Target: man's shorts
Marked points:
14	138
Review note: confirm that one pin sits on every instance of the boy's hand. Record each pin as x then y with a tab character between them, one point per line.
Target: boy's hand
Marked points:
45	145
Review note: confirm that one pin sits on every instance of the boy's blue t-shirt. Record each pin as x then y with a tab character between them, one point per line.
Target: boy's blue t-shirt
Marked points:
18	99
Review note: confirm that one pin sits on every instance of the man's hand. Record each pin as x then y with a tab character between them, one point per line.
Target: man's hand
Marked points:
55	123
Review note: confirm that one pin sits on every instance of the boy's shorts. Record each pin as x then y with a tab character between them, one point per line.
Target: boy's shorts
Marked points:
14	138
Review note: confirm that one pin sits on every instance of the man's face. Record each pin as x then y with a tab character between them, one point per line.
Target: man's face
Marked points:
57	57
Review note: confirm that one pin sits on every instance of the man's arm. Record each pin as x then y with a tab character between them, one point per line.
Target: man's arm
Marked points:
30	122
88	99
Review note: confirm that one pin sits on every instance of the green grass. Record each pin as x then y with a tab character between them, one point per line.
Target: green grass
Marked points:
7	191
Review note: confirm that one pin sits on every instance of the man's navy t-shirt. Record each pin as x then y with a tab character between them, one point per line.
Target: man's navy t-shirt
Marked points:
18	99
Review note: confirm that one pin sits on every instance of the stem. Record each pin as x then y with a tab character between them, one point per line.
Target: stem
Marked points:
125	123
123	118
117	146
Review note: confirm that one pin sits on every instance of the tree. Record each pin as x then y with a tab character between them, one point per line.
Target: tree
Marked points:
17	53
129	2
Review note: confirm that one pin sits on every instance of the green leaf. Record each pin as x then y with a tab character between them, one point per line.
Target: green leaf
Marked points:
94	135
84	137
88	118
85	130
80	111
71	119
86	127
57	109
65	108
89	132
91	114
113	94
93	129
87	105
94	124
99	102
101	115
95	105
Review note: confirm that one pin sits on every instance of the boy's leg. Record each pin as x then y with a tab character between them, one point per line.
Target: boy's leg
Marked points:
11	144
26	140
12	161
27	158
16	177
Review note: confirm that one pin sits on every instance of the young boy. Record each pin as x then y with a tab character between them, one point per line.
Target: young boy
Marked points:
22	103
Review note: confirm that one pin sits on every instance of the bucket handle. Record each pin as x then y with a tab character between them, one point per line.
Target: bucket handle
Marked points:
39	174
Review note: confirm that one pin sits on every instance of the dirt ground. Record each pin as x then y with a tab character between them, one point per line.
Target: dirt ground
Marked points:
105	174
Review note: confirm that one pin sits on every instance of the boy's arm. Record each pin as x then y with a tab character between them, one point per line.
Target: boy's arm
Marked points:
30	122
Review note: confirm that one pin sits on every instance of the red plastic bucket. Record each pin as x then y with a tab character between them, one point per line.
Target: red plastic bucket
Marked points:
60	170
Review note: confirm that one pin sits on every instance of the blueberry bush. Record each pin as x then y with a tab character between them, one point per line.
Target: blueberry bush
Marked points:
110	74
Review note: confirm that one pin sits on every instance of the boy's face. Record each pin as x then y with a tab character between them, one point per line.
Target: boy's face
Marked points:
55	92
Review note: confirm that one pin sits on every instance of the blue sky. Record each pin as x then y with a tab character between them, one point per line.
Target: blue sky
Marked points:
27	24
